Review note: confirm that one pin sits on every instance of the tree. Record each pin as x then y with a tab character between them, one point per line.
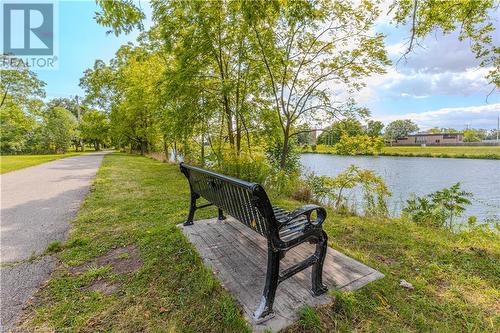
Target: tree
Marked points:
361	144
474	19
16	127
94	128
231	62
20	86
20	106
59	129
374	128
399	129
347	127
304	48
71	104
474	135
437	130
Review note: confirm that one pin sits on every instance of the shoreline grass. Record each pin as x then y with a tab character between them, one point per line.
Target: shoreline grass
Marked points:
138	201
480	152
10	163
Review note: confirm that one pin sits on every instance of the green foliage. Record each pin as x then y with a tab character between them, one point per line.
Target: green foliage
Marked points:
440	208
474	135
59	130
94	128
253	168
310	320
399	129
20	106
374	128
359	145
344	127
333	190
121	15
54	246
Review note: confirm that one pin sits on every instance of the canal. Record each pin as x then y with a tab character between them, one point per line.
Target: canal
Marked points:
422	175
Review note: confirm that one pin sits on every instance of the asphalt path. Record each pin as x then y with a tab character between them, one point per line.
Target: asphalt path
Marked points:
37	204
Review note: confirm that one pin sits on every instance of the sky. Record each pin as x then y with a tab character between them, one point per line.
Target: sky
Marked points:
440	84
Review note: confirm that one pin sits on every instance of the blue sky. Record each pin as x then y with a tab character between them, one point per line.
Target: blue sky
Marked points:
439	85
81	42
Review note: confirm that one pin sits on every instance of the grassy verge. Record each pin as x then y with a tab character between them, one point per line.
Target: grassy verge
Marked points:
482	152
14	162
138	201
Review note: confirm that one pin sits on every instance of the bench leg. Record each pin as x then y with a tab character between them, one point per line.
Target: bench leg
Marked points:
265	309
192	209
221	216
317	270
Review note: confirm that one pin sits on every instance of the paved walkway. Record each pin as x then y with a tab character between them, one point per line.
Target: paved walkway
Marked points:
37	204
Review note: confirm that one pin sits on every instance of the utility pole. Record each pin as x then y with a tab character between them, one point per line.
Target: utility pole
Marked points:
78	116
498	126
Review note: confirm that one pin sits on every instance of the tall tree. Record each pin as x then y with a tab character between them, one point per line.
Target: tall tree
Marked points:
348	126
309	51
94	128
374	128
59	129
21	93
399	129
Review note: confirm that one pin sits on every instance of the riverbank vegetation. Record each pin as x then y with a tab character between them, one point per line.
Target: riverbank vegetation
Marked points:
480	152
136	202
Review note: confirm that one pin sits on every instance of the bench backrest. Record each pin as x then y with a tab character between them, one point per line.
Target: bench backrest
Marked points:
245	201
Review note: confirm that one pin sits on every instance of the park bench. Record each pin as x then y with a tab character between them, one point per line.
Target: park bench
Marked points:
248	203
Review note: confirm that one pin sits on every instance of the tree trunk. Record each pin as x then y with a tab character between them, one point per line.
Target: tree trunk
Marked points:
284	150
202	156
238	137
143	147
165	150
97	145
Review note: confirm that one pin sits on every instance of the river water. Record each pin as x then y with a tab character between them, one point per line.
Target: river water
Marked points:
422	175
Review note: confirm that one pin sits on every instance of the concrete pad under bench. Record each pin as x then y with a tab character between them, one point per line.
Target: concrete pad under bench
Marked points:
238	256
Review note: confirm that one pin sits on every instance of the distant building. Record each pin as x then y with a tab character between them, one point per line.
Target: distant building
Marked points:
430	139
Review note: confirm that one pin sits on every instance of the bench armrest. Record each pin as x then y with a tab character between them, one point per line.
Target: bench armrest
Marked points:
307	210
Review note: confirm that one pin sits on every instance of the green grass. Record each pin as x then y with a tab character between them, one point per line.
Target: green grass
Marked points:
136	200
480	152
487	152
14	162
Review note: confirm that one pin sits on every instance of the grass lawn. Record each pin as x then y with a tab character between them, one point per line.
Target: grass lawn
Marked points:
136	201
481	152
492	152
15	162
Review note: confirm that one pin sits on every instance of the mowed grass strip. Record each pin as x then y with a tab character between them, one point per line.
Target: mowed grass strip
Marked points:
14	162
478	152
485	152
136	201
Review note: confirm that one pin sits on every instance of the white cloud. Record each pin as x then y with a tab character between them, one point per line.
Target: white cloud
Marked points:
482	116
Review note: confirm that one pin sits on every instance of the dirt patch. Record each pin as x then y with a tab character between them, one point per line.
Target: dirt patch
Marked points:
122	260
386	260
102	286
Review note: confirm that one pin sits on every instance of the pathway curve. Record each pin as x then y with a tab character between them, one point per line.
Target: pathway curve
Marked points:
37	204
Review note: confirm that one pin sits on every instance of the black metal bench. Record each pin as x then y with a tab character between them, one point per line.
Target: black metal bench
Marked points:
248	203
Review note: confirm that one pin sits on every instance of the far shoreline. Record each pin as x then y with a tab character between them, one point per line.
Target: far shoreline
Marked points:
462	152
